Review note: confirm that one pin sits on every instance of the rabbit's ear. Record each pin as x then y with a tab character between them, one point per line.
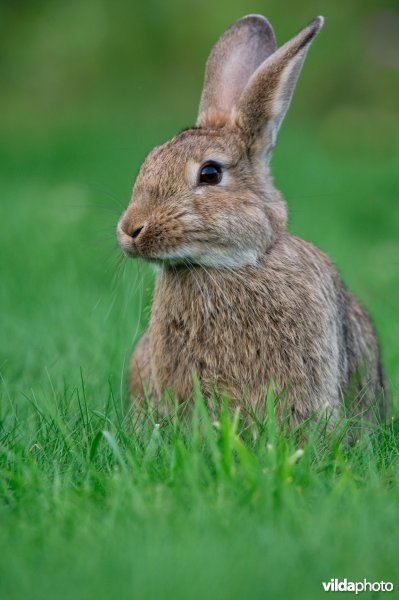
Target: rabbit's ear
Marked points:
234	58
267	95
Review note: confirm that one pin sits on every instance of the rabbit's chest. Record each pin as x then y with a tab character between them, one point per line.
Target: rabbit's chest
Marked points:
216	352
233	340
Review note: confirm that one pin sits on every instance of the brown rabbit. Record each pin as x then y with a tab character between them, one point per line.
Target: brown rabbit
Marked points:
238	300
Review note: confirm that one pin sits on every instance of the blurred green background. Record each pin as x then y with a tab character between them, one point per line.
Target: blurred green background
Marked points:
88	87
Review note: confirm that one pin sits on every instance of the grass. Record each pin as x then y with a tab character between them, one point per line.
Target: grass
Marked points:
97	504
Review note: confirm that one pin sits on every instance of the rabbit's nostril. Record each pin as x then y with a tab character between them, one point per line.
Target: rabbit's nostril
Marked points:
136	232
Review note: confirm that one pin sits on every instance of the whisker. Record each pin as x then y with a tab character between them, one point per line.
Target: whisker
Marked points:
217	285
201	291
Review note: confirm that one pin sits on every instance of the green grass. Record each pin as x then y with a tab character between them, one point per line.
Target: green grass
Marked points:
95	504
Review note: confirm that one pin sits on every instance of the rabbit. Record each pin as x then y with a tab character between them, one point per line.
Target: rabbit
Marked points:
238	300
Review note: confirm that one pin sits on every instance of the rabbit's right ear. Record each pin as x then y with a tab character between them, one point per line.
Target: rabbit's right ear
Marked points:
267	95
233	60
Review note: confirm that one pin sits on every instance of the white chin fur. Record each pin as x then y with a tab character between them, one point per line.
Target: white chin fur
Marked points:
218	258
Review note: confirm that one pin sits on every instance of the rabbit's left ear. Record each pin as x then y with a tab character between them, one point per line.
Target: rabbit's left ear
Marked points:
234	58
267	95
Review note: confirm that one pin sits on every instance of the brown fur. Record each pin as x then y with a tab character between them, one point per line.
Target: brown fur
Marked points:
238	300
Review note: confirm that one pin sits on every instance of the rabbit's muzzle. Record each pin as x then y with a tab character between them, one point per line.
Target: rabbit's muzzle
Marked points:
149	236
127	240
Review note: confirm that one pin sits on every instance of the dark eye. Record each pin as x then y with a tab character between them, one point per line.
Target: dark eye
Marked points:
210	174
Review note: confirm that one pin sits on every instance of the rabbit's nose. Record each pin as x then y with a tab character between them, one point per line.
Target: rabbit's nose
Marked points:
136	232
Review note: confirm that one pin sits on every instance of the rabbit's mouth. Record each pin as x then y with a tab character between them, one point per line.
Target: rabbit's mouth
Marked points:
126	243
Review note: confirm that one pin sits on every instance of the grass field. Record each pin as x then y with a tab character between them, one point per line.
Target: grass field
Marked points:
94	504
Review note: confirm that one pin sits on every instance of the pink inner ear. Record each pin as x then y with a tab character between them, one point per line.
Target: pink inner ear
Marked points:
235	76
234	58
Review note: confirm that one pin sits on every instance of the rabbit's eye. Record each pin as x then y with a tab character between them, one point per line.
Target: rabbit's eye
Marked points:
210	174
